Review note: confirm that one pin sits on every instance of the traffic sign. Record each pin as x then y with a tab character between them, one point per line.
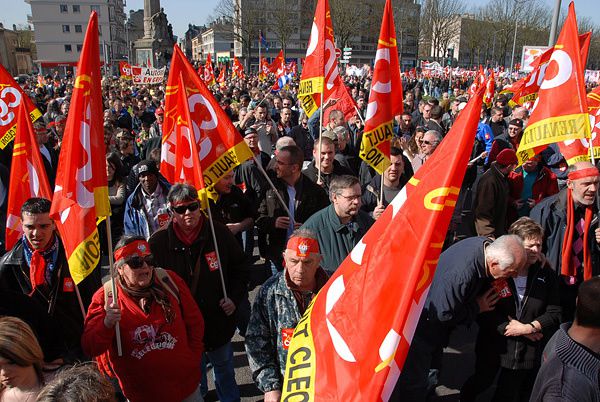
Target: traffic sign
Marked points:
347	49
344	61
338	52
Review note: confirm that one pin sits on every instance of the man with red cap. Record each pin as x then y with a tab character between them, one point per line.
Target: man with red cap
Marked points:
571	233
278	307
492	194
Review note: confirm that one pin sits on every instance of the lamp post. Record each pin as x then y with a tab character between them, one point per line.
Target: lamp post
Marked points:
494	46
512	57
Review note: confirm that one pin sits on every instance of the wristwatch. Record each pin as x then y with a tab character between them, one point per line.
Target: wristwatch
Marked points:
534	328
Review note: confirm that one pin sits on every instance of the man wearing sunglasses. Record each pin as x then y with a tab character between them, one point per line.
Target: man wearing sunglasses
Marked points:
186	246
431	139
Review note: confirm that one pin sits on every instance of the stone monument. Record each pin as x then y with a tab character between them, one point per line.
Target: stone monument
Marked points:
155	48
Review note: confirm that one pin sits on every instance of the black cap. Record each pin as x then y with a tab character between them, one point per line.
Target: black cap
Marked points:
147	167
249	131
516	122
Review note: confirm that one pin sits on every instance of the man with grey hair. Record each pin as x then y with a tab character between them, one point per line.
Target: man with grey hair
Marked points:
341	225
468	279
431	140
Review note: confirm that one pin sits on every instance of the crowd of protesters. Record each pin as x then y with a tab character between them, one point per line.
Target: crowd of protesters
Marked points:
522	242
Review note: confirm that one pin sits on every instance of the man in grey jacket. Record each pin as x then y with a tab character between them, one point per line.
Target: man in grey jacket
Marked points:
571	367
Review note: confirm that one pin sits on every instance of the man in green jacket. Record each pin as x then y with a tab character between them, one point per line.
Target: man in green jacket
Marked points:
341	225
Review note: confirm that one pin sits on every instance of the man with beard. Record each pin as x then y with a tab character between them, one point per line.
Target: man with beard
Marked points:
571	233
342	224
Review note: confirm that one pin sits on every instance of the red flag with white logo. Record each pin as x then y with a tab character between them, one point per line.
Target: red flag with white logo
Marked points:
220	146
385	100
27	176
351	343
11	96
81	191
238	69
209	74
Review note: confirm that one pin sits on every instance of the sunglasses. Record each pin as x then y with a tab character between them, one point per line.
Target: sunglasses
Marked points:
428	142
189	207
137	262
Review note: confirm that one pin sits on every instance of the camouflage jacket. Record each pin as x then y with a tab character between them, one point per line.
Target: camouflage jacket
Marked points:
274	315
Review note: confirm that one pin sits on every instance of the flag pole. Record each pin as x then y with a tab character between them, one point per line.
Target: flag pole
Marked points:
214	236
262	170
113	283
319	181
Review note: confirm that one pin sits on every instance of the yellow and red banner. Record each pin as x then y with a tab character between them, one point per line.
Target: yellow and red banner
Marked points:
263	67
560	113
27	176
579	150
385	100
125	70
209	74
238	69
11	96
320	71
221	79
490	90
81	191
220	146
352	341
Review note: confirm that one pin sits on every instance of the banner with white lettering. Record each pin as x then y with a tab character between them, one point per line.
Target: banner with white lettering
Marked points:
147	75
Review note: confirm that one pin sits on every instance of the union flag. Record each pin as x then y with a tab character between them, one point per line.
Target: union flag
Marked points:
385	100
209	74
27	176
220	146
238	69
352	341
81	191
277	63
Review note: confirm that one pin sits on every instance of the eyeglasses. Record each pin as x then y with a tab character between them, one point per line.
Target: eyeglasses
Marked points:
189	207
137	262
350	197
428	142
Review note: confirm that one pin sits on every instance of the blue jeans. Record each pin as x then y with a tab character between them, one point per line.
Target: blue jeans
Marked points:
224	374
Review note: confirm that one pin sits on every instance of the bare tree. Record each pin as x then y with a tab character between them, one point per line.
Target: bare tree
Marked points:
349	19
440	24
284	20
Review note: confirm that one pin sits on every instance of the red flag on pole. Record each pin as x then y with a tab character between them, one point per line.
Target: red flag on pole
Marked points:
385	100
557	117
220	146
81	192
27	176
490	90
351	343
277	63
238	69
221	79
11	96
209	75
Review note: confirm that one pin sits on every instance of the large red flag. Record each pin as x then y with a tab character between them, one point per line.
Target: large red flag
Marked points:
385	100
220	146
81	192
27	176
351	343
11	96
560	112
277	62
579	150
320	70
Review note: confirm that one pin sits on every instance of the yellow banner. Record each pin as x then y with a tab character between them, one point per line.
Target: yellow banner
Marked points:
584	158
311	86
308	104
300	368
10	134
368	147
101	201
85	257
551	130
230	159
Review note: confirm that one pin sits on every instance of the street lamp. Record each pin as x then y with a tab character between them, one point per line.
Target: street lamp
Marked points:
512	57
494	46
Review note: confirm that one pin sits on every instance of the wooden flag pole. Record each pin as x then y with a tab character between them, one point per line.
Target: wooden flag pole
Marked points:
319	181
113	282
262	170
204	195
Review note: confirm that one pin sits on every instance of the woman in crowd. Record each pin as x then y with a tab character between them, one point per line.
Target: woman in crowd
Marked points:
160	324
21	360
511	337
117	193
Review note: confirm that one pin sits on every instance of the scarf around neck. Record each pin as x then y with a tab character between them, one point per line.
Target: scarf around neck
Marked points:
41	262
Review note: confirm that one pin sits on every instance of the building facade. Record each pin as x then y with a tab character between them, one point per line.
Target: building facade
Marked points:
15	50
60	29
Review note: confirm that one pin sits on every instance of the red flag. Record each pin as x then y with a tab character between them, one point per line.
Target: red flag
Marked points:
220	146
385	100
490	90
345	103
125	70
200	71
238	69
277	63
560	113
579	149
351	343
11	96
27	176
263	69
209	75
320	69
81	192
221	79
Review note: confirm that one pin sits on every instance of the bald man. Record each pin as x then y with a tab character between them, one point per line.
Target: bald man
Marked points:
571	233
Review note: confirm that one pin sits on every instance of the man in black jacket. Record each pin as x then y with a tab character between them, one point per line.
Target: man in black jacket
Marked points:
301	196
186	246
460	290
37	267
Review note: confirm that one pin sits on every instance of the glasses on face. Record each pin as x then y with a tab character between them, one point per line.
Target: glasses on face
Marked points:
428	142
137	262
353	197
189	207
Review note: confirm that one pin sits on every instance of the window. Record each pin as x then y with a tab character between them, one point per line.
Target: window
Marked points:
79	47
68	48
64	8
76	8
96	9
78	29
66	28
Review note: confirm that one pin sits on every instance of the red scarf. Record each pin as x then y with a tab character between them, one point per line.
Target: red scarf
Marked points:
188	238
37	267
567	268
